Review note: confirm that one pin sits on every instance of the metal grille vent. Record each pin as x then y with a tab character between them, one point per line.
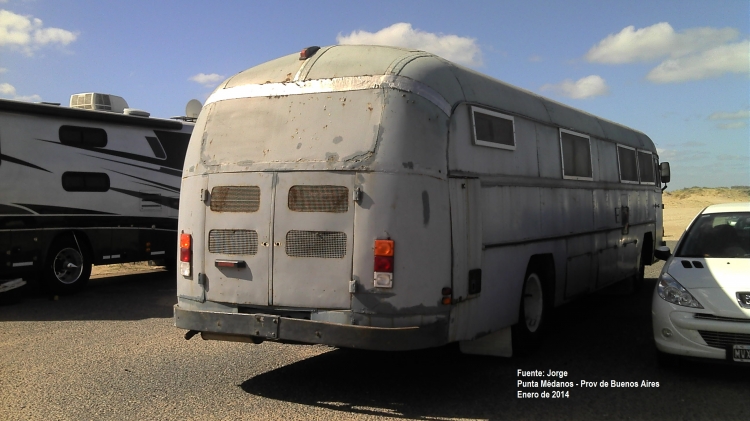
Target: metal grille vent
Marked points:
321	244
235	199
724	319
724	339
319	199
233	242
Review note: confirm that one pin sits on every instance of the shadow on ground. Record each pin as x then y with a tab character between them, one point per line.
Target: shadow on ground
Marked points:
598	338
124	297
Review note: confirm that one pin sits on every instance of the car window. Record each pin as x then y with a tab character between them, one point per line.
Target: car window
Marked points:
724	235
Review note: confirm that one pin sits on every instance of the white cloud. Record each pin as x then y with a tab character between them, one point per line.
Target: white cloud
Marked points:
3	70
655	42
535	59
693	54
54	35
732	125
209	80
28	34
739	115
28	98
726	157
462	50
587	87
9	91
731	58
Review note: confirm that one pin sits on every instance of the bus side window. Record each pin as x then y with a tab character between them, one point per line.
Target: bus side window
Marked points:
576	155
493	129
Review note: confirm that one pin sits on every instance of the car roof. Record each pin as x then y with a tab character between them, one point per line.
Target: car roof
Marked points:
728	207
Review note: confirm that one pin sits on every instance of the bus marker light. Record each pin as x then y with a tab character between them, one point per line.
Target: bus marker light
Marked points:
186	254
384	247
383	264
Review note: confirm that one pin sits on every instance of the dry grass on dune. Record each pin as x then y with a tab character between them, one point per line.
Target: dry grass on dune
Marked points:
681	206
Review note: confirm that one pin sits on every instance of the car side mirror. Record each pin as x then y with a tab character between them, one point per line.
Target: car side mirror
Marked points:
664	170
662	253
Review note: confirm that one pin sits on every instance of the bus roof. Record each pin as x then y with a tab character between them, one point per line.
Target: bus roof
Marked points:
454	83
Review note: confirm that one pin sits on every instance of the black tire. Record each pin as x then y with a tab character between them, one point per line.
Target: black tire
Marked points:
639	277
68	266
532	315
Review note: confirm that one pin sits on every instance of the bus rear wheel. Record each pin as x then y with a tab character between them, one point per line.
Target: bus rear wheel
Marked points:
532	315
68	267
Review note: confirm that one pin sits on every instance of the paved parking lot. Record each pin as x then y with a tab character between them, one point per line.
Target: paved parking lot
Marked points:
111	352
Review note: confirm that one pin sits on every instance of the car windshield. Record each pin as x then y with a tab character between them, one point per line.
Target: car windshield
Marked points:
722	235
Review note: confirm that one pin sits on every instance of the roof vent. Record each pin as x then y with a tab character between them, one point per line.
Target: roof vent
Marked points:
135	112
99	102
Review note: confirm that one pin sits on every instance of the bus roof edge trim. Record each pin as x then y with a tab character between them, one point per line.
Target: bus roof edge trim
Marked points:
340	84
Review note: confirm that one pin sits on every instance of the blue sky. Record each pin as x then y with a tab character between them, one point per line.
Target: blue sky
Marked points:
676	70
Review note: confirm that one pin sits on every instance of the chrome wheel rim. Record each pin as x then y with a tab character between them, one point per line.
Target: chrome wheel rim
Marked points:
533	302
68	265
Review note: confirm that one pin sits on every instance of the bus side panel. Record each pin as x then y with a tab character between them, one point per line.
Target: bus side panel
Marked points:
192	221
412	211
503	272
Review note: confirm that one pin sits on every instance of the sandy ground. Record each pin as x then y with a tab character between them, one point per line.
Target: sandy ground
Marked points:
119	269
680	207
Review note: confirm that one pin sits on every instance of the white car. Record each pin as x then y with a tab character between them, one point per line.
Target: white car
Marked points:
701	304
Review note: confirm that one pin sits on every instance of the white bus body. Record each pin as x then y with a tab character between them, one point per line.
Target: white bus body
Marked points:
499	204
81	186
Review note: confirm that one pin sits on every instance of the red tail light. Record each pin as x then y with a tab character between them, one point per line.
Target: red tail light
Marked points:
384	253
186	247
186	254
384	264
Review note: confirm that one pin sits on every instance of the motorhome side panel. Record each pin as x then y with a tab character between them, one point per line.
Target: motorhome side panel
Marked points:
109	189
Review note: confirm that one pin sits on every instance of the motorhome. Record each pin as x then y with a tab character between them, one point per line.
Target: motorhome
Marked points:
387	199
93	183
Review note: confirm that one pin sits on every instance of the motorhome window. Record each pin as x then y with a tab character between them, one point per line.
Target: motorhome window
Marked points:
628	167
83	137
576	155
657	173
156	147
493	129
646	167
85	181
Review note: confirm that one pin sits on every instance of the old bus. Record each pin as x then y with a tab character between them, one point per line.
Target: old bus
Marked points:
384	198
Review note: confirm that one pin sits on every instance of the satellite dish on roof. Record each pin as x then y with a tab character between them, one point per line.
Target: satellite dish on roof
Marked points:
193	108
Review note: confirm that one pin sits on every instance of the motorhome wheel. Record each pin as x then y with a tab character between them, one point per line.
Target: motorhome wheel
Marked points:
68	268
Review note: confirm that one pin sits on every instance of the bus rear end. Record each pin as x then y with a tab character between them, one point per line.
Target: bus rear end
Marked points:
316	212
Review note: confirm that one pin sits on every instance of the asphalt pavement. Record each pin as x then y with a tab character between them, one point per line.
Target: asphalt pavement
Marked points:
112	353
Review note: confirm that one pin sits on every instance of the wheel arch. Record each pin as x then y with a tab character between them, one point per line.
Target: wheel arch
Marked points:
77	236
544	266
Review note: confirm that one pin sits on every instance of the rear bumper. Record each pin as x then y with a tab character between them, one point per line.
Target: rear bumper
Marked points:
285	329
